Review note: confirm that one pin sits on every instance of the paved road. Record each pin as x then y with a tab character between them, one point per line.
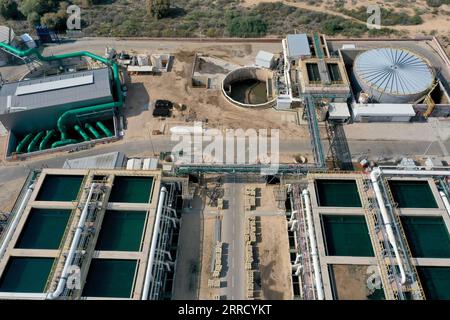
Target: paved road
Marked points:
233	237
373	149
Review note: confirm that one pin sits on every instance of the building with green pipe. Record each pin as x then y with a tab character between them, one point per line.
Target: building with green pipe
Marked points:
35	105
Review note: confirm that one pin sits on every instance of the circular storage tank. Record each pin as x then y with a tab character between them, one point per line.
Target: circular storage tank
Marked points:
248	87
391	75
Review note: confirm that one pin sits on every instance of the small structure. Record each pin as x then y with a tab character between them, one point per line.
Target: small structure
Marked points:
372	112
298	46
264	59
112	160
161	62
338	112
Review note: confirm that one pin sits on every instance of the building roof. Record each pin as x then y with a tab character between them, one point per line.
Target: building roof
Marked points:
264	56
6	34
69	88
298	45
339	110
384	109
111	160
394	71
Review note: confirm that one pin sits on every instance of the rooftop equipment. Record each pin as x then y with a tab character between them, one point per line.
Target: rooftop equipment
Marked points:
393	75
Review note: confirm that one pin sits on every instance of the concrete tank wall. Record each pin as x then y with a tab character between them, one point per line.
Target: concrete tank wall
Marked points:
247	73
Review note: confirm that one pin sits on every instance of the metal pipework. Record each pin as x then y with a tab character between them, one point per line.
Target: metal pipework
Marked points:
151	255
312	240
16	220
20	147
45	141
33	145
105	130
63	118
387	222
73	247
445	200
92	130
82	133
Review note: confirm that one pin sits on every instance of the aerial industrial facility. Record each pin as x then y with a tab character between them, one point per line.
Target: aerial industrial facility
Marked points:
134	219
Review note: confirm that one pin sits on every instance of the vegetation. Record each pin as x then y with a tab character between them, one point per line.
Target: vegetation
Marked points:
388	17
9	9
181	18
437	3
158	8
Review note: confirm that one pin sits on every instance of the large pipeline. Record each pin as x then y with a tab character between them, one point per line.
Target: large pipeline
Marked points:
46	140
374	175
62	121
16	219
151	255
21	146
33	144
82	133
73	248
314	253
105	130
92	130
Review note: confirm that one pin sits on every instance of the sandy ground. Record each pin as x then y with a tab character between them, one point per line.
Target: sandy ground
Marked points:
351	282
274	259
208	245
9	192
431	22
189	253
202	104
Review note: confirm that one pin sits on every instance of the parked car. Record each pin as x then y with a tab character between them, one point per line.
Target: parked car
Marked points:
163	104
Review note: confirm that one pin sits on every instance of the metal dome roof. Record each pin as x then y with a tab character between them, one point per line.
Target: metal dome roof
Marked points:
394	71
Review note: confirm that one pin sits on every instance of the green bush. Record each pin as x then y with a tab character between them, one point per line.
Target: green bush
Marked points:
9	9
246	27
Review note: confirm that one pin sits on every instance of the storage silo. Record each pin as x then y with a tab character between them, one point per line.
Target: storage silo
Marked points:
391	75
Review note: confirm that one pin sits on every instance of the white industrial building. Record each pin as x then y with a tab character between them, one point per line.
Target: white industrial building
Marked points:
382	112
264	59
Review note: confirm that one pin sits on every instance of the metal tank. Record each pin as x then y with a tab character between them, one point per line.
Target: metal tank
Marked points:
391	75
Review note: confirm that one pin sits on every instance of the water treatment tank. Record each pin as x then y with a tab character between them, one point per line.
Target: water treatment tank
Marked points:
391	75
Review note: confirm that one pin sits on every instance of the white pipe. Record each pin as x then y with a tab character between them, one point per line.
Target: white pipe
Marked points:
387	221
151	255
22	295
73	248
312	240
376	172
445	200
16	220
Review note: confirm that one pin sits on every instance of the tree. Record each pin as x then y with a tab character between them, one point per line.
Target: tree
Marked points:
9	9
158	8
247	26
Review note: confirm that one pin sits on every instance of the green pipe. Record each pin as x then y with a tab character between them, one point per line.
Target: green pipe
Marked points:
93	131
44	142
62	143
20	147
82	133
63	118
33	145
105	130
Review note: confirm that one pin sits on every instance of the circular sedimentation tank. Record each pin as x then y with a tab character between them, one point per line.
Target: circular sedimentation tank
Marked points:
248	87
392	75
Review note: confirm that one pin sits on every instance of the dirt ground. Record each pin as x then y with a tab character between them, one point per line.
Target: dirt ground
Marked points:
436	22
202	104
9	192
208	244
274	259
351	282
